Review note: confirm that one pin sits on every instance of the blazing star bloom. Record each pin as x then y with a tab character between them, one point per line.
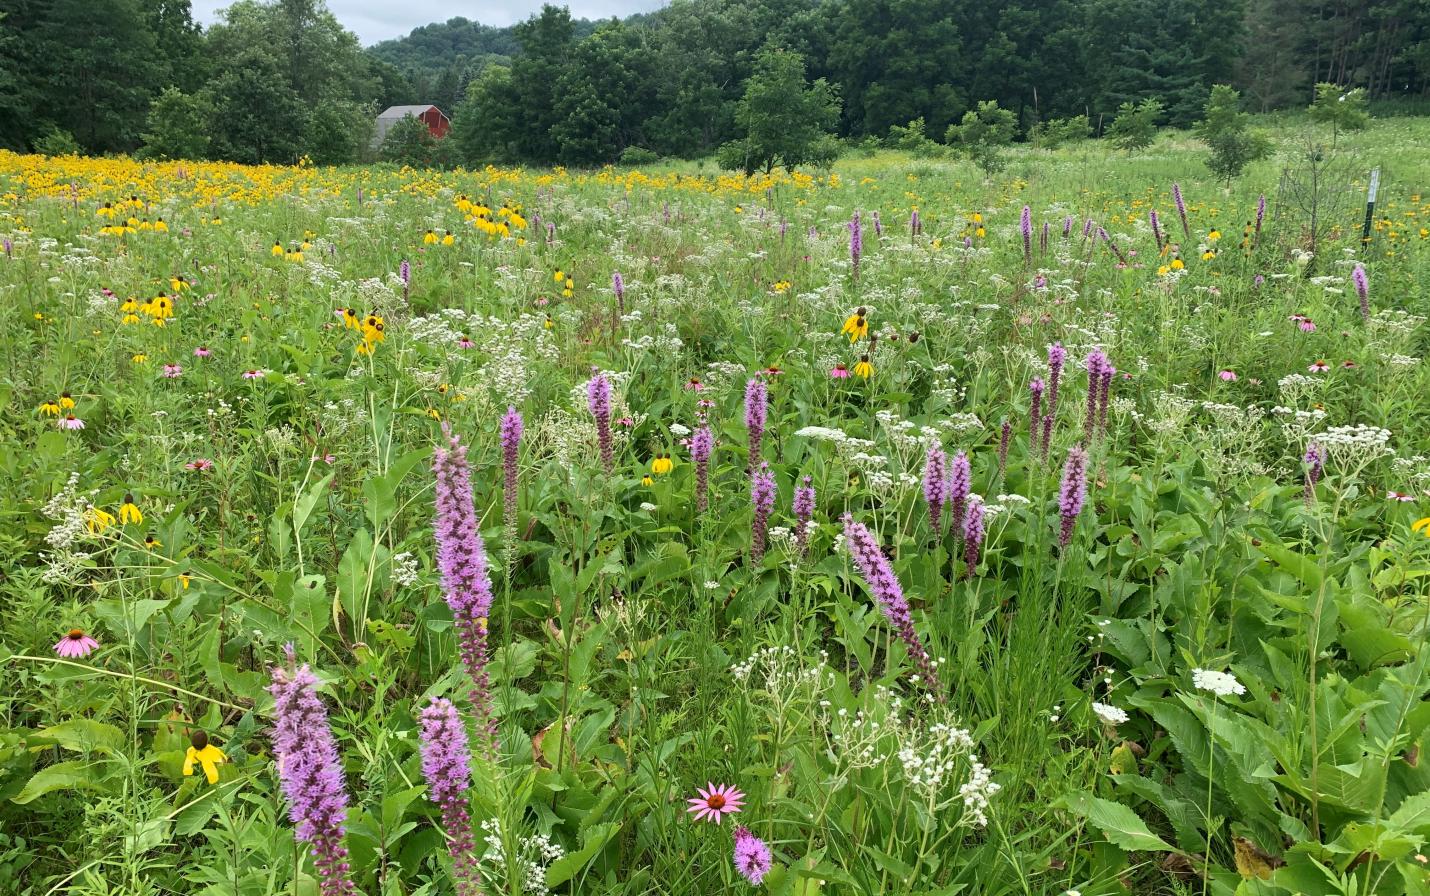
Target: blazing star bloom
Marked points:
1097	367
1072	493
936	492
206	755
1036	389
757	407
973	533
1025	225
462	561
804	514
448	774
1004	439
511	429
1260	214
1181	209
618	286
1227	376
752	857
76	645
762	496
598	400
1057	357
878	574
310	771
1315	461
1362	285
915	224
856	243
957	488
1156	226
714	803
702	445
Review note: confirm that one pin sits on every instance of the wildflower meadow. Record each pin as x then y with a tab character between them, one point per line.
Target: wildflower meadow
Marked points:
895	527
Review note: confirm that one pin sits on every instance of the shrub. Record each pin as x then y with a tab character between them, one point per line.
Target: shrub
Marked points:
983	134
57	142
639	155
1135	126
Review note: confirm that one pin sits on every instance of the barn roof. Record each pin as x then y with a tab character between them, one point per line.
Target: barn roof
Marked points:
401	112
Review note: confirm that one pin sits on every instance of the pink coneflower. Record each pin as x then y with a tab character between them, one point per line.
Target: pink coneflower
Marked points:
70	421
1307	325
1348	364
1315	461
199	464
464	342
202	352
715	802
76	645
1398	496
1227	376
253	374
752	856
1320	366
173	371
694	385
839	372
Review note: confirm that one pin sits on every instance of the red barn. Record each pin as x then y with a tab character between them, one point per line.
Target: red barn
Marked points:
437	123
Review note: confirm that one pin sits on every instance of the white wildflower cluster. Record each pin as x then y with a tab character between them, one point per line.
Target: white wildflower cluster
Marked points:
1395	325
1110	714
945	385
382	297
342	417
534	854
976	793
1353	447
1414	470
822	434
783	675
1295	386
930	761
961	424
71	510
1399	360
719	374
507	376
1123	406
1233	439
404	569
1222	684
667	342
1170	413
1296	424
282	439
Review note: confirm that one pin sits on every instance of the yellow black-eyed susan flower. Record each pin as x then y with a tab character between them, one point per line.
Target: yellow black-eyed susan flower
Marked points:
152	542
97	520
49	408
129	511
856	325
661	464
66	402
864	368
647	481
429	238
277	250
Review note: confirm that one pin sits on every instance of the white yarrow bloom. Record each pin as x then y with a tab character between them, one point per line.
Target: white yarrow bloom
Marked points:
1222	684
1110	714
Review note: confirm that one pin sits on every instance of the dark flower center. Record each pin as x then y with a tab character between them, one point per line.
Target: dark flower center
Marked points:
76	634
716	801
199	739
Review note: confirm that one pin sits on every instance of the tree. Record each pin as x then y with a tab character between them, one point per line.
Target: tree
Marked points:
1135	126
1226	131
786	120
546	41
1343	110
604	96
984	134
177	127
409	142
485	126
257	117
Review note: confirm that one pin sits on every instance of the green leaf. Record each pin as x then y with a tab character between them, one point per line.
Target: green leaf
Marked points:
380	492
1413	814
1119	824
83	734
73	775
566	867
303	505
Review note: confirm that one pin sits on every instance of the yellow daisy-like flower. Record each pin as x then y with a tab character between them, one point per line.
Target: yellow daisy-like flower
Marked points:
159	225
661	464
1422	526
429	238
208	756
66	402
1178	264
864	368
97	520
856	325
277	250
448	239
49	409
558	277
647	481
129	511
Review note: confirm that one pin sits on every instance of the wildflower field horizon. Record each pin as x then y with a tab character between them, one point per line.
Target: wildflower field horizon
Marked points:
889	528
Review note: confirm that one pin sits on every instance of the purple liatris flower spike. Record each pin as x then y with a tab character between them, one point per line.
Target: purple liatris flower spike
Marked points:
1097	364
9	248
1181	209
404	272
878	574
1260	215
1035	410
1156	227
762	496
1043	238
915	225
752	857
1067	226
784	228
878	225
702	445
757	408
449	777
1315	461
804	516
936	486
598	400
1072	493
462	561
1004	439
1025	226
618	286
551	231
511	429
1057	357
972	535
1362	285
1087	227
1104	396
856	243
311	772
960	483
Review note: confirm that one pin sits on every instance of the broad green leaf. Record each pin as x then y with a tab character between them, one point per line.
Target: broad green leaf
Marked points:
1119	824
73	775
83	734
566	867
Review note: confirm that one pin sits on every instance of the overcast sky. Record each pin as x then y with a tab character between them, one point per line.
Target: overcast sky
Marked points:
375	20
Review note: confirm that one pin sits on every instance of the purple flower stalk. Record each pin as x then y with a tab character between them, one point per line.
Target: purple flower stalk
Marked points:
462	561
619	287
1260	216
1043	239
1067	226
311	772
1025	225
404	272
972	536
762	496
1315	461
757	409
936	486
551	231
1181	209
874	567
665	211
1362	285
10	247
702	445
1087	228
784	228
511	430
752	857
856	243
804	515
916	226
1097	366
1072	493
1156	226
449	777
957	488
1057	357
1004	439
1035	410
598	399
878	225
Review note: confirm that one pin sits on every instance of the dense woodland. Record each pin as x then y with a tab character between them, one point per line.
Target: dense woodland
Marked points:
282	80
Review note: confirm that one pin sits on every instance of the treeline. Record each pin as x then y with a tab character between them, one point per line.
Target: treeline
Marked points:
278	80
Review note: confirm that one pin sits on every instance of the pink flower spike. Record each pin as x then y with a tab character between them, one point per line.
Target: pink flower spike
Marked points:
715	802
76	645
